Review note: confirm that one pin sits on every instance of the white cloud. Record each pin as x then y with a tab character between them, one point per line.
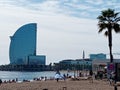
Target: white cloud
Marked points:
75	1
95	2
46	6
79	6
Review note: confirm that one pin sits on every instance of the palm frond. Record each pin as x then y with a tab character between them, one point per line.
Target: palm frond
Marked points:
108	20
116	14
101	18
100	30
117	19
116	28
106	33
108	13
102	26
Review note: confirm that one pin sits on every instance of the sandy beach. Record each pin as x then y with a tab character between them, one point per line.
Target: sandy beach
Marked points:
61	85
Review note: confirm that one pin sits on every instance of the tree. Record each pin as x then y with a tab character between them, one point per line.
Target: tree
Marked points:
108	21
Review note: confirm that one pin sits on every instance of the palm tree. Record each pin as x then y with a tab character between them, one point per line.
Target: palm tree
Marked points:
108	21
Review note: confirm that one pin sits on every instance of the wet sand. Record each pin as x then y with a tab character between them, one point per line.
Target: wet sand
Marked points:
61	85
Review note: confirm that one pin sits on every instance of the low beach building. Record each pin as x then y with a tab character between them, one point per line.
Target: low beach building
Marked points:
78	64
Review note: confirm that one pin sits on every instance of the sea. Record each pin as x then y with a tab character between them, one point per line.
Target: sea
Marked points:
10	75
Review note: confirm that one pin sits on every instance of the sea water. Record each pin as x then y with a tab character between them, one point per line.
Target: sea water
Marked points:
9	75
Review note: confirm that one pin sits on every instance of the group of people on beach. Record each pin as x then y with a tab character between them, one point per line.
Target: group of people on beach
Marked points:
41	78
24	80
9	81
58	76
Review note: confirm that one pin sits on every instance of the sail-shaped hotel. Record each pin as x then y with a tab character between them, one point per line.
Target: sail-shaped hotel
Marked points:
23	46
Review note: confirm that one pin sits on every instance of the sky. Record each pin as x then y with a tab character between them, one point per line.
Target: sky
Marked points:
64	27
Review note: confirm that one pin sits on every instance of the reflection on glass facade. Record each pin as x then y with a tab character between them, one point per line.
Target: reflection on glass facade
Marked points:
23	44
35	60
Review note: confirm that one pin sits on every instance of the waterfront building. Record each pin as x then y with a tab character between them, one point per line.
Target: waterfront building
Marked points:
78	64
23	46
12	67
98	56
68	61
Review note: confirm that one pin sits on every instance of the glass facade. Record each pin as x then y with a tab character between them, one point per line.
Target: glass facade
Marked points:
23	44
37	60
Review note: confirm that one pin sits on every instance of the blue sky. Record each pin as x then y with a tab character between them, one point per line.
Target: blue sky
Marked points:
65	27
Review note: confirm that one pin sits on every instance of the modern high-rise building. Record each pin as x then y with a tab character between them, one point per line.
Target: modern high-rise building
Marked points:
23	46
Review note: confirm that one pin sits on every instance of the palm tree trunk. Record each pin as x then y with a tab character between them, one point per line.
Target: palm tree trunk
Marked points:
110	44
111	56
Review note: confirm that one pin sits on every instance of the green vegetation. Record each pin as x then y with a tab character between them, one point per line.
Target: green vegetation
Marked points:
108	21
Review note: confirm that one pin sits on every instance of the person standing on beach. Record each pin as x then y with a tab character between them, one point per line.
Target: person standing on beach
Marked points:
0	81
57	79
91	73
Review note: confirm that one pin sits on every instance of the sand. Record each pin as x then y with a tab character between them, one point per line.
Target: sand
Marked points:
61	85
